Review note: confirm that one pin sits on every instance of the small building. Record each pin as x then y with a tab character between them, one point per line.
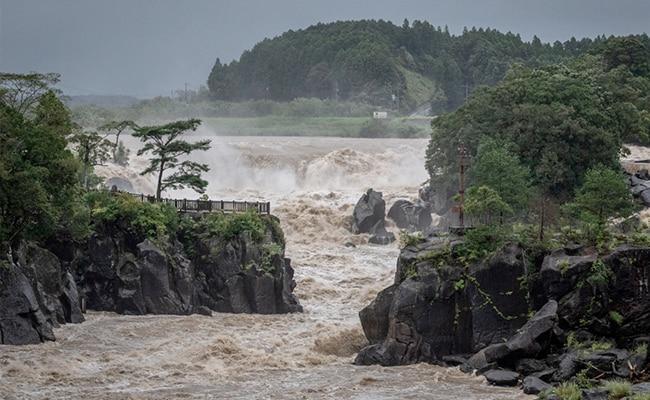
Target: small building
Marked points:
380	115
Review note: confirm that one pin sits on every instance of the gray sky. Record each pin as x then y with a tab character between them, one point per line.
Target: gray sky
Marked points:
149	47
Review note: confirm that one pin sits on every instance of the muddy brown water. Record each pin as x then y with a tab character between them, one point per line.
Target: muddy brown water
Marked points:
313	184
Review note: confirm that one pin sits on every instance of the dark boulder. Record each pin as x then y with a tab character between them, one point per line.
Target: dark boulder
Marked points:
645	197
595	394
454	360
380	235
409	216
374	317
369	211
53	286
499	377
534	385
529	366
21	318
422	323
36	295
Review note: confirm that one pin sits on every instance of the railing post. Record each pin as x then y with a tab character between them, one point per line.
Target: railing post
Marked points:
184	204
222	206
268	207
234	209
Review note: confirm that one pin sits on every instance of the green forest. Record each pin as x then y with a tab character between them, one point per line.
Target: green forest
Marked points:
377	62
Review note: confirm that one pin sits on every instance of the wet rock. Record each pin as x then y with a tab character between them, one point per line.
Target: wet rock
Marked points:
374	317
645	197
122	274
369	211
641	388
501	377
528	366
497	280
534	385
409	216
21	318
380	235
567	367
595	394
454	360
535	336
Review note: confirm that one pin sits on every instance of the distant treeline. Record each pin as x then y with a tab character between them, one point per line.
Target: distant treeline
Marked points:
377	62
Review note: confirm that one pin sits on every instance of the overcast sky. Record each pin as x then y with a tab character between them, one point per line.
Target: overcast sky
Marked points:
149	47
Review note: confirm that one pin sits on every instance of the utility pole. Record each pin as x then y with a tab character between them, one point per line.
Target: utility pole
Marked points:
462	157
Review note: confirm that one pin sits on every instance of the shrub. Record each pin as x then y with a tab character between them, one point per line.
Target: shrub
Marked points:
481	242
143	219
407	239
600	273
568	391
617	389
227	226
616	317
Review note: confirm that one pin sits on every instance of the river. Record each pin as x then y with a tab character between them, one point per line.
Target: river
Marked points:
313	184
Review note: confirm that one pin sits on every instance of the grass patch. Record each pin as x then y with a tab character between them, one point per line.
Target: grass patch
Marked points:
407	239
617	389
568	391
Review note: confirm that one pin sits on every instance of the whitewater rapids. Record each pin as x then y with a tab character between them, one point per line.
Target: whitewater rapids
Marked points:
313	184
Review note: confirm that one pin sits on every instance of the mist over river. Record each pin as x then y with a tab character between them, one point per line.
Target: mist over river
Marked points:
313	184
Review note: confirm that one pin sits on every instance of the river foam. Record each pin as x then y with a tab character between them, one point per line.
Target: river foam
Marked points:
313	184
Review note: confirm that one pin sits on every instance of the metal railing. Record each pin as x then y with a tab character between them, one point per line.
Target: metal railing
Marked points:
185	205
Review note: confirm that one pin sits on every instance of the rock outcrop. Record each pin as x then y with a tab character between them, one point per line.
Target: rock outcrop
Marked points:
36	294
411	217
541	320
369	216
117	270
237	275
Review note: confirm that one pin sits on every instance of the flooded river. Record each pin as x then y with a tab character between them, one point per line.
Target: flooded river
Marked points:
313	184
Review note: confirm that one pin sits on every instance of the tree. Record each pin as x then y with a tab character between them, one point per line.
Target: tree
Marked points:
485	204
117	128
604	194
166	147
38	179
498	168
92	150
23	91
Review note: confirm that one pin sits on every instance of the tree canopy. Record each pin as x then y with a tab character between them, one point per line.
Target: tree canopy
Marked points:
561	119
166	148
38	174
371	61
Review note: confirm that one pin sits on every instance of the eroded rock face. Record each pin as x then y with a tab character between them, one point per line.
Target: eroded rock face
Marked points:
118	274
440	308
369	212
36	294
411	217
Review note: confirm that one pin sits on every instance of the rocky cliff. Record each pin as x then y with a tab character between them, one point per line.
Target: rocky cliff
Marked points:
550	317
120	271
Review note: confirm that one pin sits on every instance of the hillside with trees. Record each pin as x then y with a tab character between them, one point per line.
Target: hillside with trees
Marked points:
380	63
